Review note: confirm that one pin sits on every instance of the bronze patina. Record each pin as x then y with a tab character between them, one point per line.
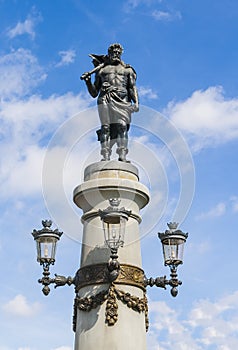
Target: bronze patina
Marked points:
115	87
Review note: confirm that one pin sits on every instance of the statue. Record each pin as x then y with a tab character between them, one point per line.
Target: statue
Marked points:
115	86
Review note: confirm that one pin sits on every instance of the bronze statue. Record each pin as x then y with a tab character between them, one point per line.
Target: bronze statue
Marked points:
115	86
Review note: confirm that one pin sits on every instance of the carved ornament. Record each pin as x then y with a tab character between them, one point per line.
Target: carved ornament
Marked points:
98	274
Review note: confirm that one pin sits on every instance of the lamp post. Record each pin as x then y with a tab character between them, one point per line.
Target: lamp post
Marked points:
110	306
96	282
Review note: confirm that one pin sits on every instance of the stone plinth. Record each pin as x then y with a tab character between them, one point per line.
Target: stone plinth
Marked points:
102	181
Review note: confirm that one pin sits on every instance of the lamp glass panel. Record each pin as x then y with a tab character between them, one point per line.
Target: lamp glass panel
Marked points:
46	248
173	251
114	232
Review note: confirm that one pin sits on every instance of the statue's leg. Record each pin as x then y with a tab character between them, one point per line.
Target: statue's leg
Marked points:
105	142
105	131
122	141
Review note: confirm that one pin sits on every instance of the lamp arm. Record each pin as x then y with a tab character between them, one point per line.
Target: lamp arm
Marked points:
62	280
58	280
158	282
162	282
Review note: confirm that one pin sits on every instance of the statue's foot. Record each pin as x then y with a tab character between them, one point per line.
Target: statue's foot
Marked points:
106	157
106	154
123	160
122	152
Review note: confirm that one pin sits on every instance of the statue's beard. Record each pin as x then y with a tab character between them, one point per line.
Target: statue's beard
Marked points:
115	59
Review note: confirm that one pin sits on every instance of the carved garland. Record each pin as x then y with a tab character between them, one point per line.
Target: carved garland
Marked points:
135	303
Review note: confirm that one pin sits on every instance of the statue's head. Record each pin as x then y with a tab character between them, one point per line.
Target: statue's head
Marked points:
115	52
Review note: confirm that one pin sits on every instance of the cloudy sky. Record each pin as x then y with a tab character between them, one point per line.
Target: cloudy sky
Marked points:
184	141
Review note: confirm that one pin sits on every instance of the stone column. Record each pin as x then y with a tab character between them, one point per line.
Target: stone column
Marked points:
110	316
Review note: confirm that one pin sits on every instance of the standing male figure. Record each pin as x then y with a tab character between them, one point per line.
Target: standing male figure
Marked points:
115	86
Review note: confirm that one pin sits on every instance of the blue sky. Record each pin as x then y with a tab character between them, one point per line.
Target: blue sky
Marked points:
185	54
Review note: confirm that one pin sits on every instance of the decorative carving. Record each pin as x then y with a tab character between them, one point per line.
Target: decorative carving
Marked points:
91	275
89	303
111	307
131	275
111	296
133	302
98	274
147	323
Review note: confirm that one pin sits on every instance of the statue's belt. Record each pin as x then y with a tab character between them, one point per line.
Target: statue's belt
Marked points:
110	88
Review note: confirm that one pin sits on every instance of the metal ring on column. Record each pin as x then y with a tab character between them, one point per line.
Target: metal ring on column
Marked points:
98	274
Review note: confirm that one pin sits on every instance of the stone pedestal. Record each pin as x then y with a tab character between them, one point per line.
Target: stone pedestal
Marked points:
110	316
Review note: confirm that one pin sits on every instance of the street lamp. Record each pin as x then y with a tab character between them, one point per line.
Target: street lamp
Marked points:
46	241
173	246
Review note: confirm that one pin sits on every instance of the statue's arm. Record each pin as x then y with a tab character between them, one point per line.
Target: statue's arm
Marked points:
93	89
133	90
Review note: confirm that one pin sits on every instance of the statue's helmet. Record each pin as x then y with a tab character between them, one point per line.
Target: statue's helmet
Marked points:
117	46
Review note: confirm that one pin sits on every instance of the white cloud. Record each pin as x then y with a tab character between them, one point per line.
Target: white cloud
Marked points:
25	124
63	348
209	323
147	92
217	211
20	72
207	118
67	57
20	306
25	27
23	178
167	321
229	205
217	321
165	15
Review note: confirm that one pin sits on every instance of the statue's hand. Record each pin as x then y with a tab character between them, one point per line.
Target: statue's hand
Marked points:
135	108
85	76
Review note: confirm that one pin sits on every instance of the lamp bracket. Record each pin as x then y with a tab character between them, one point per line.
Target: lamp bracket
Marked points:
162	282
58	280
